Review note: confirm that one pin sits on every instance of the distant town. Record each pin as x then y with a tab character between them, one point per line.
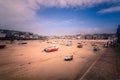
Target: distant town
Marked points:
19	35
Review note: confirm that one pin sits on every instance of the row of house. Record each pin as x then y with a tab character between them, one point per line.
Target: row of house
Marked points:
85	36
118	33
96	36
11	34
102	36
18	35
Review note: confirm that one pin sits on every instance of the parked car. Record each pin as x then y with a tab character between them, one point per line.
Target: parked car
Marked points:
51	49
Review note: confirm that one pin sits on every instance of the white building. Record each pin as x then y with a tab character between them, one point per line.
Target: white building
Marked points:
2	35
35	36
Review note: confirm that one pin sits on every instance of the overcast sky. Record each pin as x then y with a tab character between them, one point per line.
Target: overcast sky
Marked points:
60	17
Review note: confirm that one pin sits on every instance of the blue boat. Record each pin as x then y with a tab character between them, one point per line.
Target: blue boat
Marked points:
69	44
23	43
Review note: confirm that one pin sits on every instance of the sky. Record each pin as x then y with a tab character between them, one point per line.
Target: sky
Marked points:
60	17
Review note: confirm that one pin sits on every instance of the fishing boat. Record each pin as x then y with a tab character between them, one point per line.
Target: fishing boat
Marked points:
68	58
2	46
51	49
95	48
69	43
23	43
79	45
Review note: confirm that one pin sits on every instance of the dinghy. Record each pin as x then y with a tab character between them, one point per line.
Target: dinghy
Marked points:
51	49
2	46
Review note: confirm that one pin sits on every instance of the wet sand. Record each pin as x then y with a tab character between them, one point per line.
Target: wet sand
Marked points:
30	62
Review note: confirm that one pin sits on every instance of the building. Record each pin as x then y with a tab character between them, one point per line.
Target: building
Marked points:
89	36
2	35
35	36
17	35
118	33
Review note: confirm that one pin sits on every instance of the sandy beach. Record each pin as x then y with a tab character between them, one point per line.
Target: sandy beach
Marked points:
30	62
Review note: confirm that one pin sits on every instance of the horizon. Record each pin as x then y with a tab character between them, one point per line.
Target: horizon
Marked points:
60	17
60	35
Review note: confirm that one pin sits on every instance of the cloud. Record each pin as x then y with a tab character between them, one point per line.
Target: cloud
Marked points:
19	11
16	14
73	3
110	10
68	21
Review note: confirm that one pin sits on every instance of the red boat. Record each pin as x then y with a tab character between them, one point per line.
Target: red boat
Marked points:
51	49
2	46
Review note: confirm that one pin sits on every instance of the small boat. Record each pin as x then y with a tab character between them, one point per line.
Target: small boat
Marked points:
23	43
79	45
68	58
105	46
2	46
95	48
69	44
93	44
51	49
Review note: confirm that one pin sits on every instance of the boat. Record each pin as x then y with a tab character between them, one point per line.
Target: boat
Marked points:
93	44
68	58
2	46
105	46
95	48
69	43
23	43
79	45
51	49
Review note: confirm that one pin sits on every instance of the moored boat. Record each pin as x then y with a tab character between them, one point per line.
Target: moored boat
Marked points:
51	49
2	46
23	43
